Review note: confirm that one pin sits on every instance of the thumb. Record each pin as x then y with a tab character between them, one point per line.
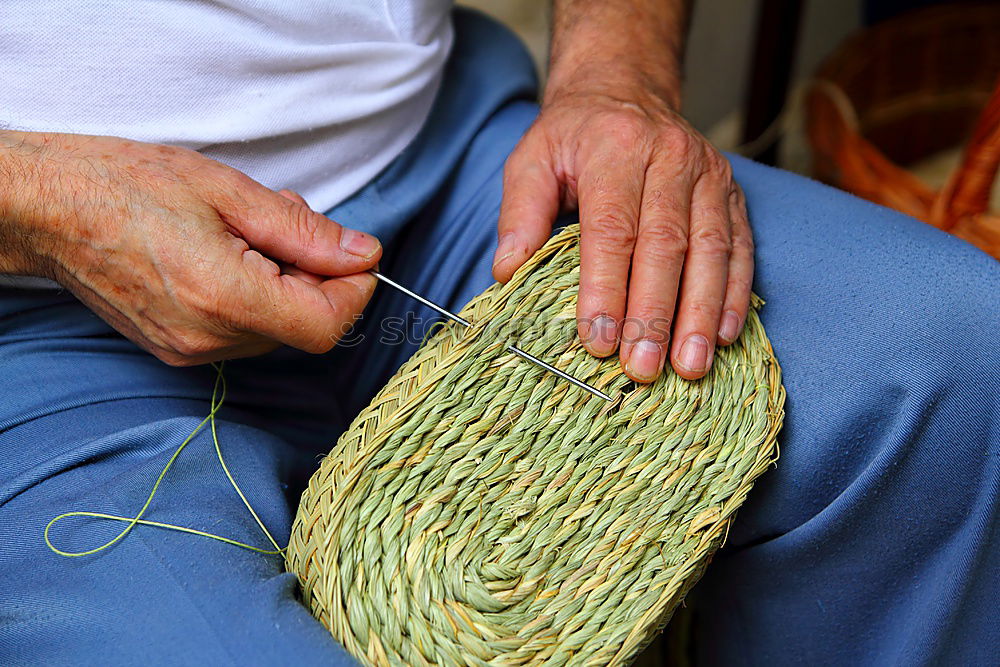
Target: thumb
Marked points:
283	227
310	317
531	196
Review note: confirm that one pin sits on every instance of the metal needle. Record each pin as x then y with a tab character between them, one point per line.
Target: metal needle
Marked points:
465	323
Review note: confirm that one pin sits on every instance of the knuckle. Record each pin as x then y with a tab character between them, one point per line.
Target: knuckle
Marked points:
712	240
664	242
741	230
306	223
661	199
654	326
606	289
510	167
738	196
521	169
614	229
650	320
738	203
513	164
626	130
523	152
714	160
533	143
743	242
720	165
677	141
702	310
633	329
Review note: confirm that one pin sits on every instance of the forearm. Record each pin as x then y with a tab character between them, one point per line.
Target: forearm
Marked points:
21	185
618	46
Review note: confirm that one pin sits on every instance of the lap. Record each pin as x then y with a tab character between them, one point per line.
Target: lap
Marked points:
88	421
884	329
860	305
874	537
869	312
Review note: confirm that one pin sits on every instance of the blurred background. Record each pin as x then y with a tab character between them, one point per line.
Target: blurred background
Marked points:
888	99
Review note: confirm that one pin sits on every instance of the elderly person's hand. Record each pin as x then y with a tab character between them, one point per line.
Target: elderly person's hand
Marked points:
178	252
665	240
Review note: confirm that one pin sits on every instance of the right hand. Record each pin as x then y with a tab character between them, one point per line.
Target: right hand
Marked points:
190	259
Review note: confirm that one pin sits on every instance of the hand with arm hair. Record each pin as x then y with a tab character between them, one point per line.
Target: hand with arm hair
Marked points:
190	259
666	251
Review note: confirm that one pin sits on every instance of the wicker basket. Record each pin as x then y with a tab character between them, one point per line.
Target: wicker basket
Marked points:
482	511
902	91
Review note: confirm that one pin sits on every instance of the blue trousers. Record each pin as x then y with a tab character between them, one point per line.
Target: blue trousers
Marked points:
875	539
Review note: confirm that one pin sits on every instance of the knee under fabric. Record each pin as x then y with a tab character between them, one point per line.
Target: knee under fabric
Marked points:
481	510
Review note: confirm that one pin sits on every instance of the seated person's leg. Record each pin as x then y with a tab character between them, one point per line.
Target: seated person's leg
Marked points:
87	421
876	533
875	538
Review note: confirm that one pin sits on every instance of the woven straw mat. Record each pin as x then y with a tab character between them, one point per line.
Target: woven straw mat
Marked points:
481	511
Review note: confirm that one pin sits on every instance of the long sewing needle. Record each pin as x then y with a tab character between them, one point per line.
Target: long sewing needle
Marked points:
465	323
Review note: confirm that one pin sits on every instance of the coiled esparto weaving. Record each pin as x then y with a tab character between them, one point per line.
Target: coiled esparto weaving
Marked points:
481	511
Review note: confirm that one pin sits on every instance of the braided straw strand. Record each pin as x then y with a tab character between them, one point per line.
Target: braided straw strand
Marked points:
481	511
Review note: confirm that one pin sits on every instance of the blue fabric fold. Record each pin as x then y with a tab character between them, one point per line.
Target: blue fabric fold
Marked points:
874	539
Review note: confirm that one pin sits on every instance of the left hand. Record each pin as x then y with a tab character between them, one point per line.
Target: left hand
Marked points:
664	228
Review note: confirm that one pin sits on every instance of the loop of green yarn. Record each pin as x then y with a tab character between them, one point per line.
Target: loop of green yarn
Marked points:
482	511
218	398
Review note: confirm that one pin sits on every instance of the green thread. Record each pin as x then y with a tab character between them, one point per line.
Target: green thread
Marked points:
218	398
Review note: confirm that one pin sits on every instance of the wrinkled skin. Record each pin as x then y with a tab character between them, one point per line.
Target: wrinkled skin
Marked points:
666	249
179	252
196	262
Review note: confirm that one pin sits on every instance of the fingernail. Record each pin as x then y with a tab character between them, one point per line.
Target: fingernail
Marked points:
694	354
645	361
729	329
602	336
358	243
505	248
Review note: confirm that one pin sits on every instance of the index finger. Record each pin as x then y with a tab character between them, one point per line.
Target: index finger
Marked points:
284	228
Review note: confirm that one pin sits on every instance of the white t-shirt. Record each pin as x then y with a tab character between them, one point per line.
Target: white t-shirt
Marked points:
313	95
